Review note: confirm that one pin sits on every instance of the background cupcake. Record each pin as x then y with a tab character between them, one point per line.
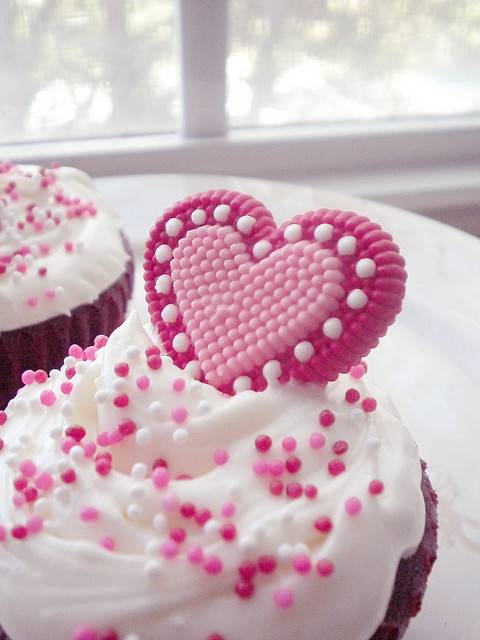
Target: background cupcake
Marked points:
65	269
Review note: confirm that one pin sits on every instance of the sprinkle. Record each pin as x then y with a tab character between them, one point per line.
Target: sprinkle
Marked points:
122	369
260	467
212	565
336	467
154	362
68	476
352	395
160	477
179	414
339	447
244	589
107	543
28	468
266	564
375	487
227	509
353	506
317	440
283	598
28	377
263	443
178	384
326	418
121	400
357	371
84	633
19	532
369	405
178	535
169	549
324	568
3	418
44	481
187	510
310	491
294	490
301	563
276	487
293	464
323	524
89	514
289	444
276	467
228	532
66	388
220	456
247	570
47	398
34	524
40	376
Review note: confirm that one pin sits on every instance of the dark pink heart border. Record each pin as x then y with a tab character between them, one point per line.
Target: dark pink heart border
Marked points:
362	328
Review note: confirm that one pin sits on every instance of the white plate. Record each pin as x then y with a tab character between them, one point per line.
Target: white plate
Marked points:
429	363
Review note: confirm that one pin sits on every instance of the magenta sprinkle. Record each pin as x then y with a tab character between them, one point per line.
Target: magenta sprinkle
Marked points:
276	467
195	554
326	418
20	483
212	565
266	564
75	351
244	589
283	598
375	487
293	464
323	524
228	532
276	487
89	514
3	418
352	395
357	371
143	382
28	377
310	491
154	362
41	376
247	570
187	510
260	467
339	447
122	369
68	476
66	388
19	532
84	633
294	490
127	427
324	568
369	405
289	444
228	509
301	563
121	400
263	443
336	467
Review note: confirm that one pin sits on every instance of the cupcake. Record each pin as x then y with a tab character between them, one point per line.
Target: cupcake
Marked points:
65	270
182	495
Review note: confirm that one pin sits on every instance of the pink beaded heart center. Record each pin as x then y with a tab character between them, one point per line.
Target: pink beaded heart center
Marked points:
229	292
240	313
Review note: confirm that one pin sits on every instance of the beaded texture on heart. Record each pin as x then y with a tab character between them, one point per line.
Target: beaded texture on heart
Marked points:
236	299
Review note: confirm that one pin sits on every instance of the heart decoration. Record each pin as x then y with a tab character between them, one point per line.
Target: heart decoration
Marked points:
229	292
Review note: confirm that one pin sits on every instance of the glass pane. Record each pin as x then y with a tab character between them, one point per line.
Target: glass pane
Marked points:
83	68
302	61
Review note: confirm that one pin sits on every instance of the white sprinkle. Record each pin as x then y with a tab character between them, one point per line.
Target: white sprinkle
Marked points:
81	367
62	494
143	437
357	299
132	352
63	465
181	342
193	369
204	407
292	233
54	373
101	396
41	507
170	313
271	371
365	268
163	253
234	490
304	351
12	460
332	328
245	224
346	246
247	544
55	432
211	527
323	233
285	552
155	409
66	409
261	249
173	227
77	454
134	511
163	284
119	384
221	212
139	471
242	383
180	436
199	216
137	492
151	546
301	549
159	522
152	568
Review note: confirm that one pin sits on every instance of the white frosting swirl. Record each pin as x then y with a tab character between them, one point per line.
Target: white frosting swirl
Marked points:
60	245
64	578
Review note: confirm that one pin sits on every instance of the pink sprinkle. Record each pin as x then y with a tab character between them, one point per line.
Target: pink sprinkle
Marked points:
122	369
267	564
20	483
283	598
260	467
84	633
323	524
19	532
44	248
170	502
68	476
32	301
357	371
18	500
3	533
294	490
336	467
67	444
143	382
301	564
68	247
34	524
107	543
89	449
103	439
375	487
195	554
228	509
289	444
89	514
228	532
276	467
369	405
324	568
3	418
40	376
339	447
160	477
276	487
121	400
154	362
293	464
177	534
76	351
66	388
44	481
28	377
247	570
202	516
169	549
310	491
178	384
179	414
353	506
263	443
90	353
220	456
127	427
28	468
50	294
47	398
212	565
326	418
100	341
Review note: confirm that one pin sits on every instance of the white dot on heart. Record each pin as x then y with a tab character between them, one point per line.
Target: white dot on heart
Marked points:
242	383
163	253
181	342
292	233
261	249
245	224
173	227
198	217
365	268
163	284
332	328
346	246
304	351
170	313
221	212
357	299
323	233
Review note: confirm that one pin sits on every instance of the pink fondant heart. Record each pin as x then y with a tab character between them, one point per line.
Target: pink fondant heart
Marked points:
228	289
